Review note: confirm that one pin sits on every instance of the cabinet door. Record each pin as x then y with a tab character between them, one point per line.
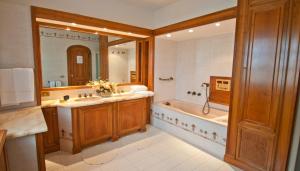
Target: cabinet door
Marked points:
95	124
51	137
259	125
131	116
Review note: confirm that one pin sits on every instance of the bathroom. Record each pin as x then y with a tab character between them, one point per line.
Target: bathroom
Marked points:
194	58
149	85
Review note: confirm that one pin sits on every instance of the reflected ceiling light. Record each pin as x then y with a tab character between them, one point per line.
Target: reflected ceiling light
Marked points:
105	29
191	30
117	45
218	24
96	33
169	35
129	33
74	24
68	29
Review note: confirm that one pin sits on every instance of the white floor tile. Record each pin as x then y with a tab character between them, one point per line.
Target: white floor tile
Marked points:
153	150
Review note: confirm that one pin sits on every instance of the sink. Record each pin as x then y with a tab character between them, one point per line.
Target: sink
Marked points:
123	95
84	99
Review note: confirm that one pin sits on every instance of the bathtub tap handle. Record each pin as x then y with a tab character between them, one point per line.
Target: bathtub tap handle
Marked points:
198	94
189	92
193	93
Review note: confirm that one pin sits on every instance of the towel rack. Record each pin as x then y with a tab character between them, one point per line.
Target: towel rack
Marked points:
166	79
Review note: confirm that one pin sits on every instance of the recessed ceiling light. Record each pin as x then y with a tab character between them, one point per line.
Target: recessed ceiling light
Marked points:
68	29
218	24
74	24
191	30
169	35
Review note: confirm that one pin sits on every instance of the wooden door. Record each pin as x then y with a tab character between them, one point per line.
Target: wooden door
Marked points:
51	137
79	65
265	81
131	116
95	124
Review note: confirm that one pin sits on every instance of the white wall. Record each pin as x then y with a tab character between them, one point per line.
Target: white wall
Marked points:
54	55
114	10
192	62
164	66
199	59
187	9
131	61
15	36
118	65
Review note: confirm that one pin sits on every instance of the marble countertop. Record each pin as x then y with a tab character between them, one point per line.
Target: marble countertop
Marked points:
23	122
79	102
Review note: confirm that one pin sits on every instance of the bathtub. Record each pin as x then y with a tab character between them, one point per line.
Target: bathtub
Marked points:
187	122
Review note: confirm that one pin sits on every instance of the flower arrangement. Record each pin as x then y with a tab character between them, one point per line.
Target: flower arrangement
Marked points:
104	88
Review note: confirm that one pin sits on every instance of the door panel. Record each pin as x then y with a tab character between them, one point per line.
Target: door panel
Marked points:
79	65
51	137
131	116
95	123
263	65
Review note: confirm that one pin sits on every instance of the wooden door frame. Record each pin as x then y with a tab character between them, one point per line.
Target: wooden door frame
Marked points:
68	60
218	16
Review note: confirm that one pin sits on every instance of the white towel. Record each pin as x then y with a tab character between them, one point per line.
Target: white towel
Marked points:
7	88
24	84
137	88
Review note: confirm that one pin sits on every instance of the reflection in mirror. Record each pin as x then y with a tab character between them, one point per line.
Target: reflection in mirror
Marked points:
122	62
72	58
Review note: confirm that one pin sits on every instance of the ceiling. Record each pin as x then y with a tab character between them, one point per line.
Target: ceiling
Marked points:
227	26
150	4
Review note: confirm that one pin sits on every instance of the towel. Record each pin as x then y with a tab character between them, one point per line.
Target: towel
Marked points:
7	88
137	88
24	84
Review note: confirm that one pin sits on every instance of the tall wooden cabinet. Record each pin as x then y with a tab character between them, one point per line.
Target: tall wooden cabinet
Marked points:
265	82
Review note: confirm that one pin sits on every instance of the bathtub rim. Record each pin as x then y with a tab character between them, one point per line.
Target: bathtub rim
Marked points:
161	104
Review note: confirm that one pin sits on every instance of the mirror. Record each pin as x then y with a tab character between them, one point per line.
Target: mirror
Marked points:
71	58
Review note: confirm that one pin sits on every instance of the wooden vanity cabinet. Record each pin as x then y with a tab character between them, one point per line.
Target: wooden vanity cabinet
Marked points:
51	137
131	116
94	123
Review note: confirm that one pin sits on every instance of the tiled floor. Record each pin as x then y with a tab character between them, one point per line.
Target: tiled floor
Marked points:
153	150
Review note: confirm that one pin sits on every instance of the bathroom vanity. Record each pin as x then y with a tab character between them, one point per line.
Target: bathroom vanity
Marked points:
84	122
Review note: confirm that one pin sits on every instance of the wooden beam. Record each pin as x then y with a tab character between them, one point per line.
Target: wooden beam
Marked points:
85	20
40	152
119	41
63	27
198	21
104	73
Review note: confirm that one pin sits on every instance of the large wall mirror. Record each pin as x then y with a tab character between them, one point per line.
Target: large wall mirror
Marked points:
73	58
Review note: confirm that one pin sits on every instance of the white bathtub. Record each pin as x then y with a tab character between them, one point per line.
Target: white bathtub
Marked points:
186	121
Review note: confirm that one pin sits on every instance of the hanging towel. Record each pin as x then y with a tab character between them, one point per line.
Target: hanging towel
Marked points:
24	84
7	88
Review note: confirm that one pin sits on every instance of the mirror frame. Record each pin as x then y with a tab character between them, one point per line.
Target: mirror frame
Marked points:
144	55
